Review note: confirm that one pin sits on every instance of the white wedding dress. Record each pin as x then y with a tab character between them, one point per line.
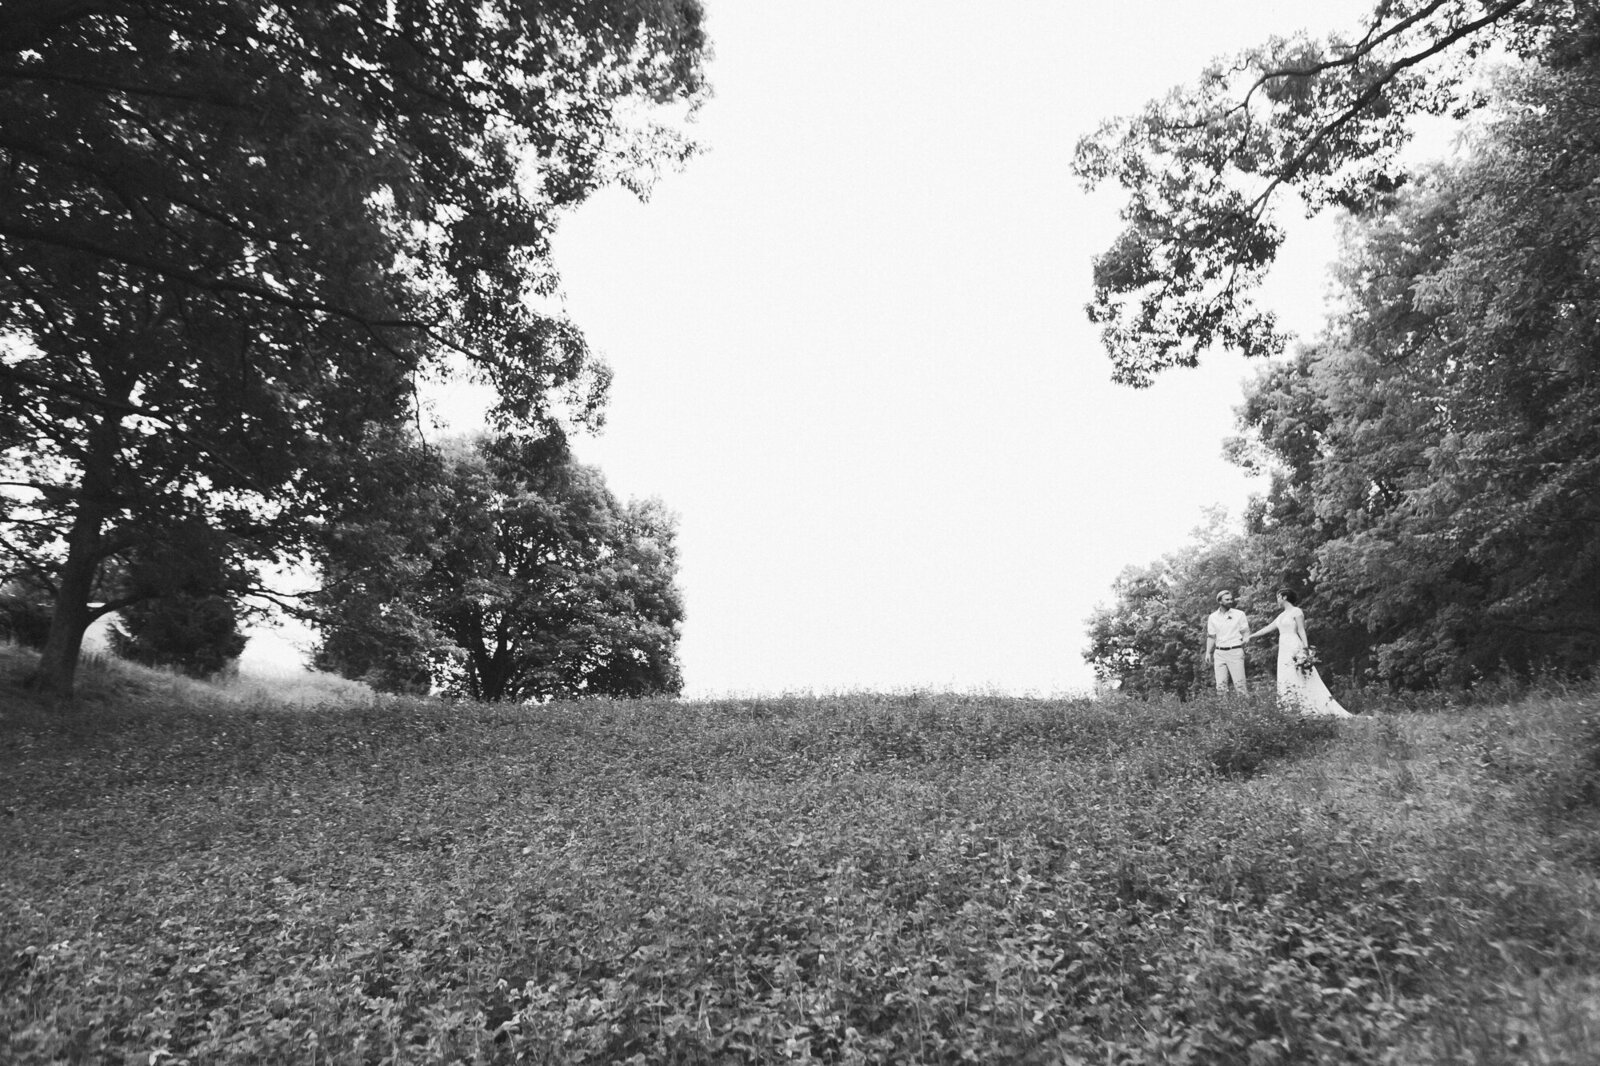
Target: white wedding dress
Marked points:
1304	690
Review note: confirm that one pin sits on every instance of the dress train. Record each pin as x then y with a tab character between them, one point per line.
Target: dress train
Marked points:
1305	690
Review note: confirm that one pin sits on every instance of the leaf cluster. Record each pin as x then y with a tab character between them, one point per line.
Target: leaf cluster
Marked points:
1323	117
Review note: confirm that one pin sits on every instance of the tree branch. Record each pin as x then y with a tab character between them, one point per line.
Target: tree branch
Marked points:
204	283
76	392
1371	93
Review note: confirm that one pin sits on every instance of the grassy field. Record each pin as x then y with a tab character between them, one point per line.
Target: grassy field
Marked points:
295	871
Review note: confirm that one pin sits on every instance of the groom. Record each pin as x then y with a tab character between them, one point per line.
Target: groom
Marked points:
1226	632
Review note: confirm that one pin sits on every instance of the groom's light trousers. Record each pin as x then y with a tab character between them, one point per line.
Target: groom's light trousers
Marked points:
1229	664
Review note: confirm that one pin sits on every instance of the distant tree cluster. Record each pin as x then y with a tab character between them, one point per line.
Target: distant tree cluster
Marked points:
233	239
1435	452
515	574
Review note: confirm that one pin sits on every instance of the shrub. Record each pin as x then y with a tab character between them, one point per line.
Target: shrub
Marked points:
24	619
196	635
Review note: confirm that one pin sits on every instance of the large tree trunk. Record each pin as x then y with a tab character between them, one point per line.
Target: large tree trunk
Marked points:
488	676
58	665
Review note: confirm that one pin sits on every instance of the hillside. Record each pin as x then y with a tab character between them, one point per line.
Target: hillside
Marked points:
237	875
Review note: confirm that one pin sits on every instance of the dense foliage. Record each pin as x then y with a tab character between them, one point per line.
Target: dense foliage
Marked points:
1439	450
233	235
181	608
1325	118
1435	452
24	614
198	635
519	577
921	878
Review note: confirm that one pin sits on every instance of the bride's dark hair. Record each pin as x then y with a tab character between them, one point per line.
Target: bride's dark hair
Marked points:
1288	594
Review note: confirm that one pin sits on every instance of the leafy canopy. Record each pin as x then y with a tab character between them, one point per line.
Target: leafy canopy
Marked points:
233	237
1446	469
519	577
1325	117
1435	454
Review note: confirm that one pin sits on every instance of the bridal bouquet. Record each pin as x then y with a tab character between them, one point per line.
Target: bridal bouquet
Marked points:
1306	661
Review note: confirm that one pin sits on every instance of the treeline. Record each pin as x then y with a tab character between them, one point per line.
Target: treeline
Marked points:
498	568
1434	454
233	241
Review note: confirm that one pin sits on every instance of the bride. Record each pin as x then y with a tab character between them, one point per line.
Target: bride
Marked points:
1298	682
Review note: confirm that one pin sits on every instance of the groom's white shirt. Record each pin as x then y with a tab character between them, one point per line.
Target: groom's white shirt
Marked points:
1228	628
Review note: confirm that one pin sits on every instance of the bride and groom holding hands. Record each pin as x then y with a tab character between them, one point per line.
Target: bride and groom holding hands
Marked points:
1228	631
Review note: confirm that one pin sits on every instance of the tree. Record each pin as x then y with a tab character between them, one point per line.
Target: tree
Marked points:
1143	642
1325	118
532	583
1439	448
232	237
1435	454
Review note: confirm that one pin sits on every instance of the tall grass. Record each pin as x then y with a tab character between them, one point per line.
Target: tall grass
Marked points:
851	878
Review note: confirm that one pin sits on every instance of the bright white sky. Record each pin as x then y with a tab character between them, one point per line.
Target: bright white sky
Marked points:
850	349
